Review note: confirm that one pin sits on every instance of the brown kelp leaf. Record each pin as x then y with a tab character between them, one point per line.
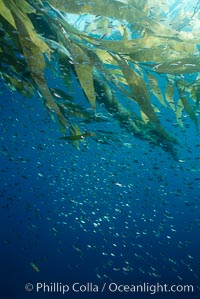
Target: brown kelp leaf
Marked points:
140	94
84	70
27	24
105	57
24	6
186	104
35	60
125	32
23	87
139	4
108	8
85	76
194	92
144	117
152	48
169	94
138	87
6	14
154	87
163	49
179	113
100	25
119	75
188	108
133	13
179	66
154	54
118	46
107	72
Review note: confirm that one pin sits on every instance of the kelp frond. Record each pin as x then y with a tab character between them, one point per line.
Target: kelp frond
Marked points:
131	65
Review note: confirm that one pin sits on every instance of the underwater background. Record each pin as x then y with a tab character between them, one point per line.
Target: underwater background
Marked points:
120	210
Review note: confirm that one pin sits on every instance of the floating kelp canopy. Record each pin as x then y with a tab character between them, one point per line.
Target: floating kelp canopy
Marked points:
116	50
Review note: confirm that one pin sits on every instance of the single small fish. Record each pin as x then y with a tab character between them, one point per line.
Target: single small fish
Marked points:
35	268
77	137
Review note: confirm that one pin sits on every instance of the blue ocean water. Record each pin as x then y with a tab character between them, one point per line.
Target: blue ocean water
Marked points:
122	212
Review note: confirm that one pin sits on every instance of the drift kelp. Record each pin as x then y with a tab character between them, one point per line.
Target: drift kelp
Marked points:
131	65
